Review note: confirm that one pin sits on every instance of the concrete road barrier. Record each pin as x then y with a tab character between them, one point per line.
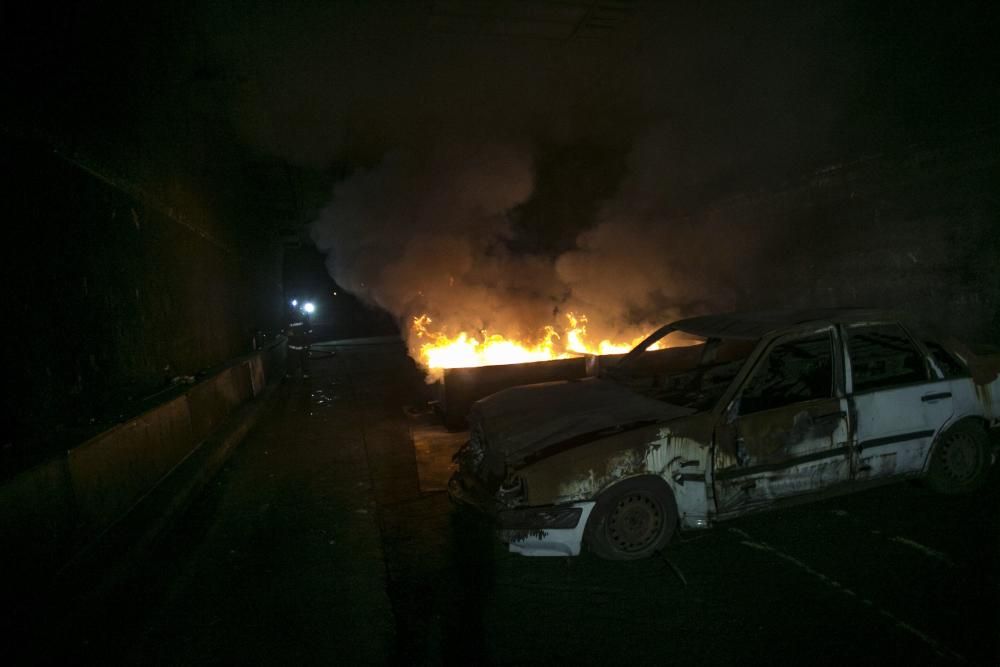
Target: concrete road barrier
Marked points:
55	515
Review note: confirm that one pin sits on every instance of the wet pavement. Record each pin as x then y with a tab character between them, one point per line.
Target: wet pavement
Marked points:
327	539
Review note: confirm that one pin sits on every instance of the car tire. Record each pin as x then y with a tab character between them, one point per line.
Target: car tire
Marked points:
960	459
632	520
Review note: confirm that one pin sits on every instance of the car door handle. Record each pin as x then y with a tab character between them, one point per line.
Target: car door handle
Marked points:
927	398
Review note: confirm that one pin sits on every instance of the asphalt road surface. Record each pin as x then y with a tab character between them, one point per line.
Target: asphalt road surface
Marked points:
327	540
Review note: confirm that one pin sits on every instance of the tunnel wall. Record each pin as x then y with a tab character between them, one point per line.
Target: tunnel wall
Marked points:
55	511
917	231
111	291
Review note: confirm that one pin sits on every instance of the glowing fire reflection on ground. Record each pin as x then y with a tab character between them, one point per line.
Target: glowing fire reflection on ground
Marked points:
438	350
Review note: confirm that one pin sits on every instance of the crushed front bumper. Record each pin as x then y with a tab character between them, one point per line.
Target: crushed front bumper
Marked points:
550	530
467	492
563	537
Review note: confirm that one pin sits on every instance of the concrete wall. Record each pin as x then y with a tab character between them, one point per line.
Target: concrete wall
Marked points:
55	510
918	231
110	291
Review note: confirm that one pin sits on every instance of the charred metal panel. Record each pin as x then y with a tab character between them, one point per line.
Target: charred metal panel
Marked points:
762	487
677	452
461	387
787	432
539	518
525	422
551	542
781	452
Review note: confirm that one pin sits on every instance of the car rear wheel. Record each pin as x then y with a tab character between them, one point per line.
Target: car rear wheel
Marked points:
960	460
632	520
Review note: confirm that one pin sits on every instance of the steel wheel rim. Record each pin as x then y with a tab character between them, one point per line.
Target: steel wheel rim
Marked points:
961	457
635	523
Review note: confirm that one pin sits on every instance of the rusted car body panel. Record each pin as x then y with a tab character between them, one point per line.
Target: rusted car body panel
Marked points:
535	451
460	388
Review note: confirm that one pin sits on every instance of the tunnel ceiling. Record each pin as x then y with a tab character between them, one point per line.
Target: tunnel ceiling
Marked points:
267	104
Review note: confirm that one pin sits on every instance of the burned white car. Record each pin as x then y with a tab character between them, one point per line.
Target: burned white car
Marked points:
750	411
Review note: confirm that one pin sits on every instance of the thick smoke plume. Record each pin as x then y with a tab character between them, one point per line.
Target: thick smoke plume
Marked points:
473	233
429	234
642	263
688	103
433	233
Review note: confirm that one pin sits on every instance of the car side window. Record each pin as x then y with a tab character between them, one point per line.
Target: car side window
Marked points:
793	371
883	356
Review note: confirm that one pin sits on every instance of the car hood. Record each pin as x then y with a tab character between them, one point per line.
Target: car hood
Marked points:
522	420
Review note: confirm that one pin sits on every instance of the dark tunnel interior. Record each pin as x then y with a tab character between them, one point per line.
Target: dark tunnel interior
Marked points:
309	303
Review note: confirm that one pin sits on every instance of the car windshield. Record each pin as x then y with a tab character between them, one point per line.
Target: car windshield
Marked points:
680	368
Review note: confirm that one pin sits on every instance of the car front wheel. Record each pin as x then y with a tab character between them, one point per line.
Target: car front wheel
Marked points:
632	520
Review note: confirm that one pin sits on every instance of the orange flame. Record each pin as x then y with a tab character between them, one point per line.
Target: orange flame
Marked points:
438	350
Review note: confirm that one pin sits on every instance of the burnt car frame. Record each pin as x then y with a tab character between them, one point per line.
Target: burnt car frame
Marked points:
766	409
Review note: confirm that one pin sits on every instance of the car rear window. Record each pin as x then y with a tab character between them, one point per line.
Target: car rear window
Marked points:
883	356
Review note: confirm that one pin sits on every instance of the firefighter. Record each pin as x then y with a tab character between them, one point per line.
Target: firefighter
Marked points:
299	340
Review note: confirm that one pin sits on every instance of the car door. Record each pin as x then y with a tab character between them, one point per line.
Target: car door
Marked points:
898	401
786	432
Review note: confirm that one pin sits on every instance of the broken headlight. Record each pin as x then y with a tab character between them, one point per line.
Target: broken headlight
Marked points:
511	492
474	451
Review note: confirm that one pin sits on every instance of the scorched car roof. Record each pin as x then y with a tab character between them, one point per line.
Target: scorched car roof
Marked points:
755	324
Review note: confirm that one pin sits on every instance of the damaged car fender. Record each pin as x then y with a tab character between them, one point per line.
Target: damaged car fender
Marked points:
676	452
633	519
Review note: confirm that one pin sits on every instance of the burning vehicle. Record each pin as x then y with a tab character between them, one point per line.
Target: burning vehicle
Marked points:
753	411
